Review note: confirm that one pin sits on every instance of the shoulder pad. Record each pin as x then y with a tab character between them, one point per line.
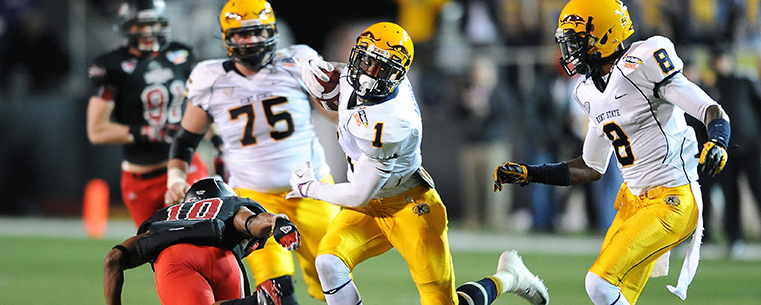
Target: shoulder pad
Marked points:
201	79
654	59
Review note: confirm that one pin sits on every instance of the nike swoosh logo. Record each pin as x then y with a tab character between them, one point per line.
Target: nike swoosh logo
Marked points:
620	96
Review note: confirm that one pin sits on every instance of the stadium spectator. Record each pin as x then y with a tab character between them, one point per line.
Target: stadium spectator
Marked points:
264	118
740	96
484	110
389	200
33	59
195	248
635	98
137	102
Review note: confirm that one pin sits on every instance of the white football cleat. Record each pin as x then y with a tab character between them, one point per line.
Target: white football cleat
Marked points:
526	284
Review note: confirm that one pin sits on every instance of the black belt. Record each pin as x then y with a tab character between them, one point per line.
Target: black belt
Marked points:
149	175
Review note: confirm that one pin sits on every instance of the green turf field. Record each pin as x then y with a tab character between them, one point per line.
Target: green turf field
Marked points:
40	271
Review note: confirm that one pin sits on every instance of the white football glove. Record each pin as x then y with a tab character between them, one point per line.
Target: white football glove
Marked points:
301	180
312	69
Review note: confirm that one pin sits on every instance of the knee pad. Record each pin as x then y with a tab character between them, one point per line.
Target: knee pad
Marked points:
601	291
332	271
277	291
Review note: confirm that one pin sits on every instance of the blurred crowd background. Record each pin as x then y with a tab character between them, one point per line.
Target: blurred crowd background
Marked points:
485	73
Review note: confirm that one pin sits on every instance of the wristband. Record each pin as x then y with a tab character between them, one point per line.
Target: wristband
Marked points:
174	176
719	131
247	220
216	141
136	134
552	174
125	252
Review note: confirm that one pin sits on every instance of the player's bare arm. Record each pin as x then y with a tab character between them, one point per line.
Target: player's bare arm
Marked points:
714	112
194	124
120	258
581	173
100	128
251	224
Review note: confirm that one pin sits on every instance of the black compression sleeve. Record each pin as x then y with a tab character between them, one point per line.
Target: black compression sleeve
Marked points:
184	145
552	174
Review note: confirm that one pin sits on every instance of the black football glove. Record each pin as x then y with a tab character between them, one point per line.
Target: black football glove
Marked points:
713	157
512	173
286	234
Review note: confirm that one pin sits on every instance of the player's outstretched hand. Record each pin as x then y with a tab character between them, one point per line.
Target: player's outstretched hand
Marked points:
713	157
285	233
312	69
300	181
510	172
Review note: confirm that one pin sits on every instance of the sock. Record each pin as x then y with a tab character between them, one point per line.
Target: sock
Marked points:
483	292
505	281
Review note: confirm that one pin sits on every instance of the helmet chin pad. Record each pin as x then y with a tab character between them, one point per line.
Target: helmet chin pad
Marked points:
366	85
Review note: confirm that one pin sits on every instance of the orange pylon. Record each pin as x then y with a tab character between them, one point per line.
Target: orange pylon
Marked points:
95	208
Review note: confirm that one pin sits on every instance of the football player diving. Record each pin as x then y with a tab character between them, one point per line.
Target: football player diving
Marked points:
195	248
635	96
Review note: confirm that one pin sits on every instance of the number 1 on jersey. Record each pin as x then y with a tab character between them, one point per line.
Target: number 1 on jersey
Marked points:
378	133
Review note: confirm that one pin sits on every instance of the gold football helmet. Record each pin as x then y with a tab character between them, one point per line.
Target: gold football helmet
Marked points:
591	30
380	60
246	19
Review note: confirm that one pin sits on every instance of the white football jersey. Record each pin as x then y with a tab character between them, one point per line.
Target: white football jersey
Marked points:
634	119
392	129
264	119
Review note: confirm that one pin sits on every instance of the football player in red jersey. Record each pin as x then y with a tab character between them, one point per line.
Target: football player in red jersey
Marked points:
137	103
195	248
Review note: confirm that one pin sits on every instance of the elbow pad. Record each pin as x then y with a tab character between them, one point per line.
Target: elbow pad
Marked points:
184	145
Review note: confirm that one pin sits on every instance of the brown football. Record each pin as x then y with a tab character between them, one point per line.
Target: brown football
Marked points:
329	96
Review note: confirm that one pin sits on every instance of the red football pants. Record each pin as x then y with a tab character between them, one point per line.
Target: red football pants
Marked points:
143	194
188	274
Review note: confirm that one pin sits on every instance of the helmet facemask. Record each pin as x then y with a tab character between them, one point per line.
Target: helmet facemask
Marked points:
145	26
258	52
150	37
574	50
372	72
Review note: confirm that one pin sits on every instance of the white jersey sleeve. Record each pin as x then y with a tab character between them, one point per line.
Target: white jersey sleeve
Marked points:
660	59
594	145
202	78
